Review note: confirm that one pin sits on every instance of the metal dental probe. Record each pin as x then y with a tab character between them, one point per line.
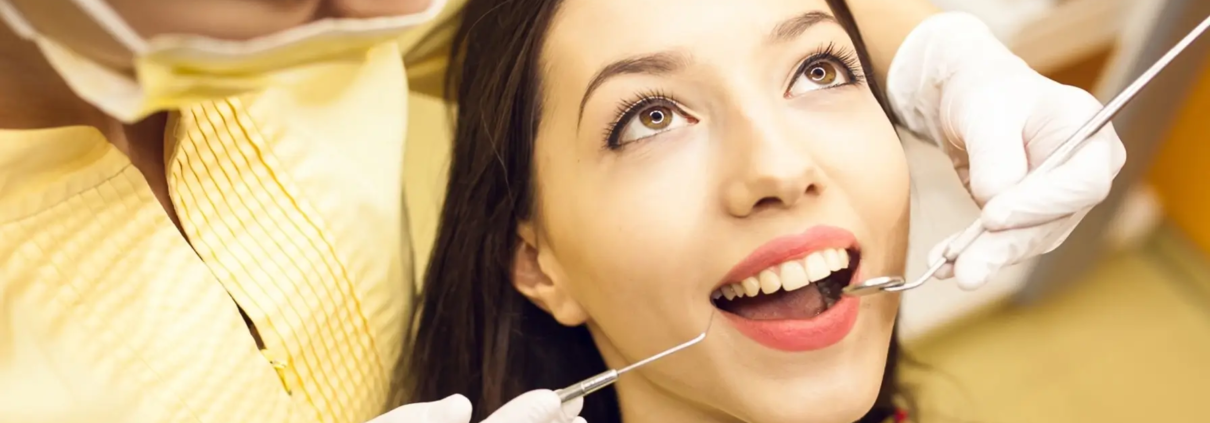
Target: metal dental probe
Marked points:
1061	155
608	377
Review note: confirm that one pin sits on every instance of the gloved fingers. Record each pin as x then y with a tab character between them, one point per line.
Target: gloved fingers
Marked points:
947	270
1056	241
994	251
1056	119
538	406
1046	238
1080	183
990	129
571	410
579	420
1067	225
452	409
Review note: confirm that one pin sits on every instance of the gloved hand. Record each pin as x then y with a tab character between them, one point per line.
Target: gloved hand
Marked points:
451	409
540	406
997	119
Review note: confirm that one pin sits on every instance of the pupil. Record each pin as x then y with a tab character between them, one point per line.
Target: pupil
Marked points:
818	73
657	116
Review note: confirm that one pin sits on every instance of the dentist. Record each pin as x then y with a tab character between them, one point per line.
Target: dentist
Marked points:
201	211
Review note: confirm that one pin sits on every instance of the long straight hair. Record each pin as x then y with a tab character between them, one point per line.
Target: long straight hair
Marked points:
477	335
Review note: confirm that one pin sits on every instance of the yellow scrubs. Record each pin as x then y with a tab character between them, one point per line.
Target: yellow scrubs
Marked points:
293	211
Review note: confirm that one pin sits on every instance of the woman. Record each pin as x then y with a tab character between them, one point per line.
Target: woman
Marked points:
617	182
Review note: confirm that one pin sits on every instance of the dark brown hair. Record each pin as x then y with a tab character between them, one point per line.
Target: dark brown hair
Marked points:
477	335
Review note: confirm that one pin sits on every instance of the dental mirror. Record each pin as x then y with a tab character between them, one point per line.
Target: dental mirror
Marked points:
874	286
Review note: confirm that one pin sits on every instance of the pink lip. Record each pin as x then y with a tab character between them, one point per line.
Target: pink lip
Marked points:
822	331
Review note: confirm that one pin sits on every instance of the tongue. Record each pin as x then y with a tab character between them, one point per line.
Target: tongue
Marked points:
800	304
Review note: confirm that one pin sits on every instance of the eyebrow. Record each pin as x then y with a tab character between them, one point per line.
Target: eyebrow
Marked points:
793	27
671	61
662	63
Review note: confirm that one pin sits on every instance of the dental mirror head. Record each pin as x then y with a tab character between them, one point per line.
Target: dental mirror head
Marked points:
874	286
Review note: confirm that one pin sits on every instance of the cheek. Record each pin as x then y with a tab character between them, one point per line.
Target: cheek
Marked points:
861	154
629	238
625	220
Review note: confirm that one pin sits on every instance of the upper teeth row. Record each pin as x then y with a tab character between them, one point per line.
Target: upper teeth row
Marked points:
790	275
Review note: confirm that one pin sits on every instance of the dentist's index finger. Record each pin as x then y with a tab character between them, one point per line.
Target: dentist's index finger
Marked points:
1080	183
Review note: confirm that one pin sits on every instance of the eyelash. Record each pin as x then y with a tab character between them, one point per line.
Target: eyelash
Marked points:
629	108
846	57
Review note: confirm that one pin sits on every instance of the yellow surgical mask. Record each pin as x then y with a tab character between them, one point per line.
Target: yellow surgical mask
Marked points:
172	71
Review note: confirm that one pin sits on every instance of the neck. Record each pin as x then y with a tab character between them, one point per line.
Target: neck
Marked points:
33	96
643	402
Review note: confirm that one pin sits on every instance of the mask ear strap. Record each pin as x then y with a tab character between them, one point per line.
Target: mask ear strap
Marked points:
15	21
111	22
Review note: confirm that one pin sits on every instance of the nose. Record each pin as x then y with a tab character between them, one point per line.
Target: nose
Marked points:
374	8
770	167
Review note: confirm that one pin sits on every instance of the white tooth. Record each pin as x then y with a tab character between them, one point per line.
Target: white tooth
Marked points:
844	259
718	293
728	292
817	267
769	282
793	276
739	290
833	258
751	286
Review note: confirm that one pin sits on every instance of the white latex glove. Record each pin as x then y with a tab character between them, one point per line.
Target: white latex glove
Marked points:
451	409
997	119
540	406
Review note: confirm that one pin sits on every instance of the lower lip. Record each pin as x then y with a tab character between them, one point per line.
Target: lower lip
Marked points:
816	333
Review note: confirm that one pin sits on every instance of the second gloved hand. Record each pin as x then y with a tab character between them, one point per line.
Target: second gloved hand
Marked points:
997	119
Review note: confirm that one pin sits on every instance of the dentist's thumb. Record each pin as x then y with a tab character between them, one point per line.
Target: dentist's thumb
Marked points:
452	409
539	406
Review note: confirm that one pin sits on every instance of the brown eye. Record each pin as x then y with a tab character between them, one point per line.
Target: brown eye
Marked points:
653	118
821	73
656	117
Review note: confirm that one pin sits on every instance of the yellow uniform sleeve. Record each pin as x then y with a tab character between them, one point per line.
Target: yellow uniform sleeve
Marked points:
426	58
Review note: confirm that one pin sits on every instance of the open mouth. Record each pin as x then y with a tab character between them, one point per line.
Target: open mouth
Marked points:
798	289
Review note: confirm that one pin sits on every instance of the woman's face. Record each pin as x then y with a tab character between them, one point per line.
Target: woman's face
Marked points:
690	148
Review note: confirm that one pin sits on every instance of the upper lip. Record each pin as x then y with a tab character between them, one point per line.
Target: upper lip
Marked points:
790	247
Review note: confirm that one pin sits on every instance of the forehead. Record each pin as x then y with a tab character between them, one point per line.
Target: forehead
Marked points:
581	40
631	24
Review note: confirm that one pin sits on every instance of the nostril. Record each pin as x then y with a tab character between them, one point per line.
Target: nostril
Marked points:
766	202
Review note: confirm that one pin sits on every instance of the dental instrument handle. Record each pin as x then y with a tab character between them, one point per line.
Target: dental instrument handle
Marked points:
1065	150
667	352
588	386
1111	109
608	377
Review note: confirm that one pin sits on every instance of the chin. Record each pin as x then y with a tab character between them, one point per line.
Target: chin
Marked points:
843	396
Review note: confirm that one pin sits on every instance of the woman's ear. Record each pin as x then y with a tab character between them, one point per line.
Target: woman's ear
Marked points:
532	277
